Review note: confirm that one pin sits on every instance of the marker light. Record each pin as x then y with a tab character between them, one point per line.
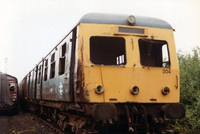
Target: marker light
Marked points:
131	19
165	91
99	89
135	90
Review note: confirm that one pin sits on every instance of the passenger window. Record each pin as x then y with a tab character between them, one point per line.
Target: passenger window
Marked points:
52	71
46	70
154	53
12	88
63	51
107	50
62	59
34	78
39	74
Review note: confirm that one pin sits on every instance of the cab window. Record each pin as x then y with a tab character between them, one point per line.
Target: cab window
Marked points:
154	53
107	50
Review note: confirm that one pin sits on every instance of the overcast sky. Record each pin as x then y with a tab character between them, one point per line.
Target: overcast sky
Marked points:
29	29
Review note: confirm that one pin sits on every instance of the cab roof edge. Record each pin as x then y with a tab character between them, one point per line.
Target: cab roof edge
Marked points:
116	19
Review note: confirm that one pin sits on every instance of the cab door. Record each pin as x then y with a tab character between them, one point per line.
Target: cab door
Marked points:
109	53
157	75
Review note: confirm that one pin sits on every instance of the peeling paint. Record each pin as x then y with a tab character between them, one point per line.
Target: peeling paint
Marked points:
51	90
60	90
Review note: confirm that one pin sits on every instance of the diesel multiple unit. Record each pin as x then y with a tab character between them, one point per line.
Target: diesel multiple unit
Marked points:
110	71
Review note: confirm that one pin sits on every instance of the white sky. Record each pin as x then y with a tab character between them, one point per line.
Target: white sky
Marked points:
29	29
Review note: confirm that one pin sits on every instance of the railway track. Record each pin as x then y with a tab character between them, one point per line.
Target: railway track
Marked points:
30	123
49	124
57	130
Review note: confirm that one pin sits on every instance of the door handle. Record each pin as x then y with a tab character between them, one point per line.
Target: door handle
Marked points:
176	82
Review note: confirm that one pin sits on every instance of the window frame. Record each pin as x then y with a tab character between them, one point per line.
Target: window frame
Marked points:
161	50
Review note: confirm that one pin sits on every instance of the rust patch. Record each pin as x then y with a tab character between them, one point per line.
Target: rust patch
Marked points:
81	93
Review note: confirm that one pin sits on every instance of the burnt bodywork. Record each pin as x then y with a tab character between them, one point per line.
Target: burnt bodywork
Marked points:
59	76
8	92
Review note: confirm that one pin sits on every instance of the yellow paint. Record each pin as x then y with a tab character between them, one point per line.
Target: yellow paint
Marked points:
118	80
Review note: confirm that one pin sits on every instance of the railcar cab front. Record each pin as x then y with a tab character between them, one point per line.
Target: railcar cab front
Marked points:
119	55
133	64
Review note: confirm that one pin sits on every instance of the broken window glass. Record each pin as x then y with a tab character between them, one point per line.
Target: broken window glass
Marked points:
107	50
154	53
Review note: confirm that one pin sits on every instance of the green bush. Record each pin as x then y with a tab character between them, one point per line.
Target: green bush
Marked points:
189	65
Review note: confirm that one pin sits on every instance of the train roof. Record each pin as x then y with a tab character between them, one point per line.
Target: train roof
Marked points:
1	73
122	20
